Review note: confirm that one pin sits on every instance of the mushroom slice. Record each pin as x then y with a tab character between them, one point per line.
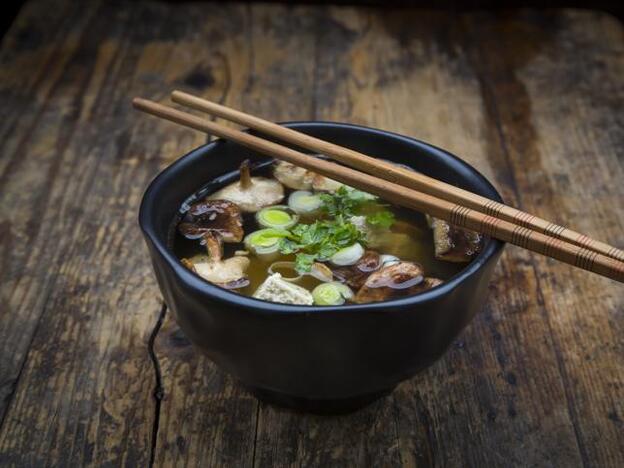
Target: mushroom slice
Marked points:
454	244
251	194
229	273
356	275
325	184
221	217
391	282
294	177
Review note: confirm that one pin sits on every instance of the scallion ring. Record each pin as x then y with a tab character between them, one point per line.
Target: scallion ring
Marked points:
278	217
348	256
304	202
333	293
265	241
286	269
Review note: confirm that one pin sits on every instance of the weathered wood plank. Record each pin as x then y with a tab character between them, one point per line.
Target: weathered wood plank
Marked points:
28	161
85	389
264	59
532	99
559	97
410	71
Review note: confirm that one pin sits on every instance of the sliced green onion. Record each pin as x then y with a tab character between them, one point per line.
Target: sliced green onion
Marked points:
387	260
286	269
304	202
348	256
265	241
333	293
278	217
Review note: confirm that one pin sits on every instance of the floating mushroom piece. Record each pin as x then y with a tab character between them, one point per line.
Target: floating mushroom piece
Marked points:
294	177
299	178
220	217
452	243
356	275
391	282
228	273
251	194
325	184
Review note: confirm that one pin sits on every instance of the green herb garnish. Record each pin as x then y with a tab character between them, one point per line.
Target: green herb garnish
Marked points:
319	241
382	219
349	202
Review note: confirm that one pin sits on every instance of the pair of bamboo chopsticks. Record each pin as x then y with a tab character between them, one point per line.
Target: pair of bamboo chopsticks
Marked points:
401	186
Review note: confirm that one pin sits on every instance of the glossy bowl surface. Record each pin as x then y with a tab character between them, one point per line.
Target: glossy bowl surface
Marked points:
322	359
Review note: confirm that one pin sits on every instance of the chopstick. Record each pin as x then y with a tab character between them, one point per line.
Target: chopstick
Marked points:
456	214
399	175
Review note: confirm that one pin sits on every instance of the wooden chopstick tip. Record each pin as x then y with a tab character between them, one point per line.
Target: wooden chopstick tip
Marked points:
138	102
176	94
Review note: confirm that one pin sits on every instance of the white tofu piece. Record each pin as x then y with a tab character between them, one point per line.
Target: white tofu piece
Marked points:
276	289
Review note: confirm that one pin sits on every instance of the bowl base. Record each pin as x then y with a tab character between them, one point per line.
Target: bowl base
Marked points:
317	406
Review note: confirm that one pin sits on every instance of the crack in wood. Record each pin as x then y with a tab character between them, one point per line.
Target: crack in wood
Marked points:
159	388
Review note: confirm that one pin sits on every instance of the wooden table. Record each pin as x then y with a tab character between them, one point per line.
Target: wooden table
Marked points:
93	371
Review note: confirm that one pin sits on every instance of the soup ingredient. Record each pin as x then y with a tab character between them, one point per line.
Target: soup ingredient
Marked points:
304	202
360	223
356	275
429	283
279	217
220	217
294	177
348	256
325	184
321	272
251	194
265	241
285	268
299	178
388	259
318	241
316	238
229	273
226	273
333	293
391	282
382	219
289	272
351	203
276	289
454	244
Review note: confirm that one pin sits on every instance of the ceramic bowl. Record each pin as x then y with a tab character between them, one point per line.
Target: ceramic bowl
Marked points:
321	359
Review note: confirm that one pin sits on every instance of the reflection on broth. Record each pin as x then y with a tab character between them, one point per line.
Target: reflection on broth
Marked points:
291	236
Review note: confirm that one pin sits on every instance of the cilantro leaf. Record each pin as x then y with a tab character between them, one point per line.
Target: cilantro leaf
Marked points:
319	241
303	262
383	219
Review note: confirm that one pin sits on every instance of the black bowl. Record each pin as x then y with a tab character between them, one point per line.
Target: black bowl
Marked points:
322	359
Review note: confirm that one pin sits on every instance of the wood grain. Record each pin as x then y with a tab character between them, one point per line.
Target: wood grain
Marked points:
570	72
429	88
532	99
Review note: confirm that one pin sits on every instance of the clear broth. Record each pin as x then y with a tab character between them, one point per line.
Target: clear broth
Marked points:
409	239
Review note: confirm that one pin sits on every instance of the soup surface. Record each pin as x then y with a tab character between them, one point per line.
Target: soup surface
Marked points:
284	234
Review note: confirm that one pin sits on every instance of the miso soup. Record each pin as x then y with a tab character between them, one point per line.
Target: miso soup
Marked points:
284	234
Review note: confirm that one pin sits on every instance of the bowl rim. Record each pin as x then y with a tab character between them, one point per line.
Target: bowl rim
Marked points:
191	280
